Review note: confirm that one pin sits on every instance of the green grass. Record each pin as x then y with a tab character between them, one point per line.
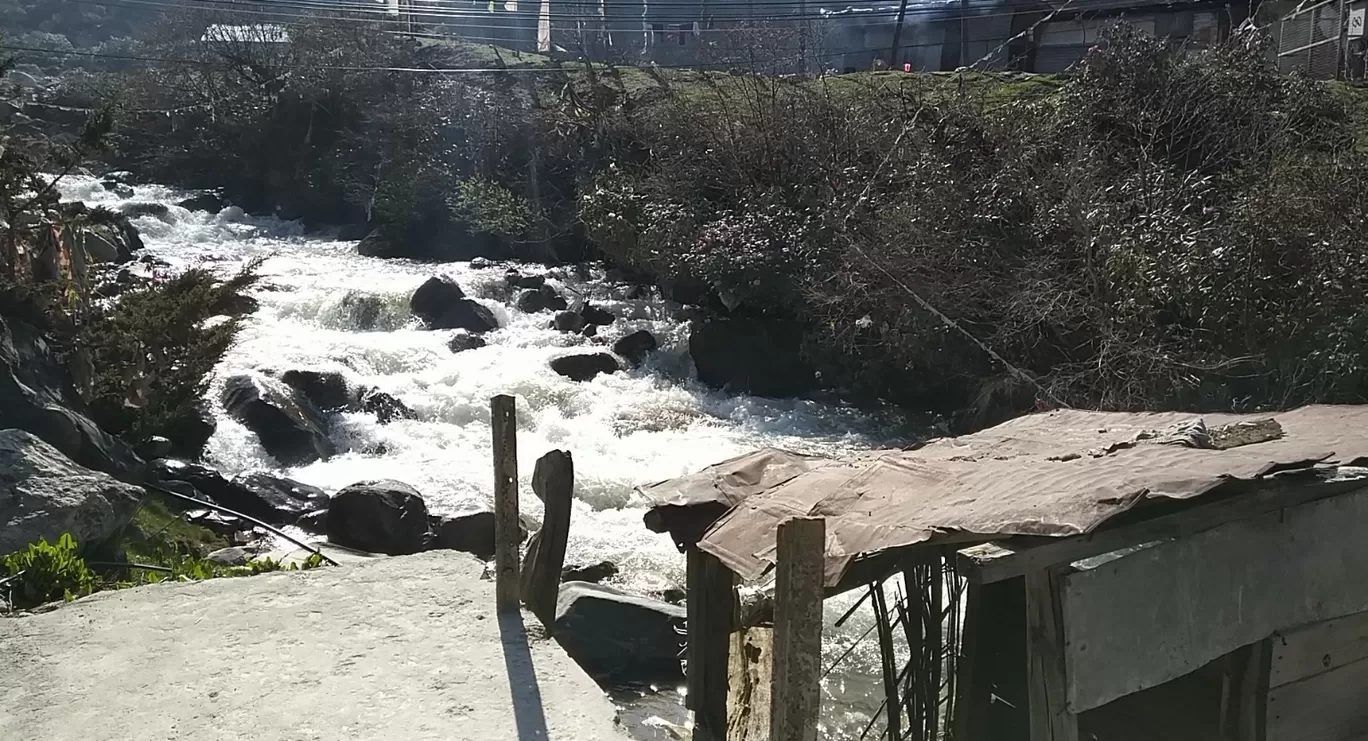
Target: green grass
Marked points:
157	526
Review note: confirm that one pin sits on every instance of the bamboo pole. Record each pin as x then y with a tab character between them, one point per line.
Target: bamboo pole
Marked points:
504	423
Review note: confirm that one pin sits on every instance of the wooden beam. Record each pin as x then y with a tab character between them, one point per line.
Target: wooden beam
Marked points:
796	698
507	535
1250	688
553	480
748	684
711	604
1004	559
1046	683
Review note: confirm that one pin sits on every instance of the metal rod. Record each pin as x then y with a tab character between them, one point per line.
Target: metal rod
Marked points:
235	513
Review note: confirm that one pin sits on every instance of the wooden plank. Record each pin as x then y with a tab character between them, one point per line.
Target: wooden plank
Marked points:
553	481
962	726
1046	681
749	678
1323	707
507	534
1003	559
1160	612
1312	649
711	604
796	697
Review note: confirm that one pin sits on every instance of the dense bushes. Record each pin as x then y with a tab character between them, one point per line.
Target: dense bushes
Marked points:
1159	229
1163	229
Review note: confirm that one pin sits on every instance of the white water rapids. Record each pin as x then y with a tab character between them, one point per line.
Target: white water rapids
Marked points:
624	430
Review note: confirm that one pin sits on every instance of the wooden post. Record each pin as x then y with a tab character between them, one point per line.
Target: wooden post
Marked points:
711	604
1046	683
553	481
507	535
796	698
749	679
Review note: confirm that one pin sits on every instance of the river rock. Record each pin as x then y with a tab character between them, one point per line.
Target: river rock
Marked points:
119	189
518	280
590	330
441	304
289	427
385	407
597	315
153	447
237	555
568	321
584	366
361	312
618	637
155	210
379	243
207	202
387	517
591	573
635	346
47	494
278	500
326	390
37	395
751	356
463	340
315	522
472	532
190	431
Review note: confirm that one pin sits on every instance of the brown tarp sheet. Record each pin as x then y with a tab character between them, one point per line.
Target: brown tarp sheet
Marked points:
1058	474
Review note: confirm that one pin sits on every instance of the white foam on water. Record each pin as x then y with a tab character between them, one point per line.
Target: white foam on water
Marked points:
624	429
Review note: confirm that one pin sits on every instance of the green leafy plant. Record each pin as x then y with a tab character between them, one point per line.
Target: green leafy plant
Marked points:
46	572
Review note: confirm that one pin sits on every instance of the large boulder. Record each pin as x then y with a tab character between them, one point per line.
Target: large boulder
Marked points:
751	356
584	366
45	494
278	501
568	321
472	532
37	394
326	390
283	501
385	407
597	315
190	432
635	346
289	427
387	517
155	210
441	304
618	637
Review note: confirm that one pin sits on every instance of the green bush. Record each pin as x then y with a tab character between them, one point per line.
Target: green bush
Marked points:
46	572
154	348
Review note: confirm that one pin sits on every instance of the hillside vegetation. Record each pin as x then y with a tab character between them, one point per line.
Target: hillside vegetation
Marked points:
1157	230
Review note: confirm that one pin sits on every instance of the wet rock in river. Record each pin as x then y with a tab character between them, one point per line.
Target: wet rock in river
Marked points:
584	366
288	426
635	346
441	304
386	516
618	637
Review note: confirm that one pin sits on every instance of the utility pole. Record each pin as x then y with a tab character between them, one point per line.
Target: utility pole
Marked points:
897	35
964	33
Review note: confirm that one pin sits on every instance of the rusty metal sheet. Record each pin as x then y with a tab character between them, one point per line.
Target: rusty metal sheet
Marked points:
1056	474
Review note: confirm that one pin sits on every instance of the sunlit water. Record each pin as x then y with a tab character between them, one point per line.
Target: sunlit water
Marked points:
624	430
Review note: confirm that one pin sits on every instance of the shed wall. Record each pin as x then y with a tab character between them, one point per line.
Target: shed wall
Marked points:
1160	612
1317	681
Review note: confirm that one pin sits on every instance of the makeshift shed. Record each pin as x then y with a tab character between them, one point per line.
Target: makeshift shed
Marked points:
1072	574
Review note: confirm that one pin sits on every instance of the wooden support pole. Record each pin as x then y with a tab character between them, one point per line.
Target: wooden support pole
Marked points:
507	535
796	698
1045	679
711	604
553	481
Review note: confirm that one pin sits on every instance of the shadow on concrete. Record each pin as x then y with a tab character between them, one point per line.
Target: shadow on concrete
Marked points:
522	679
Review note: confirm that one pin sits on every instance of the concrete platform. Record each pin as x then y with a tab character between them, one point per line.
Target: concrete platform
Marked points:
395	649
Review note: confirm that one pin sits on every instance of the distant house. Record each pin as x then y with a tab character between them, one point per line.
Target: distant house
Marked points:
257	33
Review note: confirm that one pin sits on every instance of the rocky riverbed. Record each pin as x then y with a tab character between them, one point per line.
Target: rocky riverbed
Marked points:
363	384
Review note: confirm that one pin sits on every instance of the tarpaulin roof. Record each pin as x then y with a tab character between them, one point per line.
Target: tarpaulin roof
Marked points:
1057	474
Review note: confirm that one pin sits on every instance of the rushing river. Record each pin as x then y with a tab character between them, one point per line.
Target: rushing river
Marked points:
624	430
